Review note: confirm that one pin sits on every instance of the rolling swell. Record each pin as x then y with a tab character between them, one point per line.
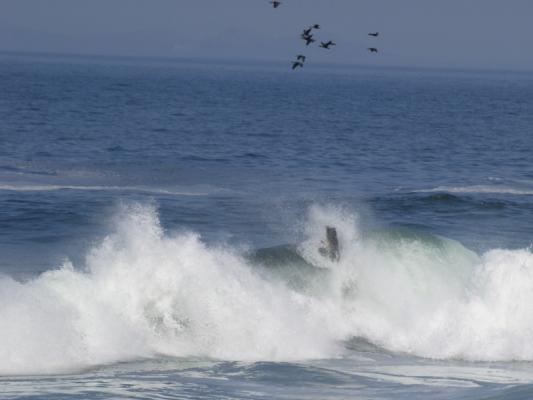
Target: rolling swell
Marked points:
144	292
445	201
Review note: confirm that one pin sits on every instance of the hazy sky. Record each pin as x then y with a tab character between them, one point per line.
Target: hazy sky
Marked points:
423	33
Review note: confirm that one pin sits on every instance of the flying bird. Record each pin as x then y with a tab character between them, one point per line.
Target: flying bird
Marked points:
275	3
307	32
301	58
308	39
375	34
372	50
315	26
296	64
327	44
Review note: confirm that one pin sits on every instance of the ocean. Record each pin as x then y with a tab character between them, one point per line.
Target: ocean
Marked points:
161	224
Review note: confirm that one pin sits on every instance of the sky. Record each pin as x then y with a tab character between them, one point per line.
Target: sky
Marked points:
477	34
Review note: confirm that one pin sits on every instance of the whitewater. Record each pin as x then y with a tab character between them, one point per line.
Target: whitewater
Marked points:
145	293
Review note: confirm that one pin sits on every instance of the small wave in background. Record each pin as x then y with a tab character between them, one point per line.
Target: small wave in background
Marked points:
480	189
199	191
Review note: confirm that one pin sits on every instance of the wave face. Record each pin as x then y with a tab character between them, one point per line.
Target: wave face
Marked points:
145	293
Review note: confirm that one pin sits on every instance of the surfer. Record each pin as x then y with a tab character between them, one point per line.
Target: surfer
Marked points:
331	247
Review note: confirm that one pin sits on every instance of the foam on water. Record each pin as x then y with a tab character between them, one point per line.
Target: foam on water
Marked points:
53	187
144	293
476	189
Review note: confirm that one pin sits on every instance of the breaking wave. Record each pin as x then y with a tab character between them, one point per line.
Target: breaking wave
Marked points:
144	292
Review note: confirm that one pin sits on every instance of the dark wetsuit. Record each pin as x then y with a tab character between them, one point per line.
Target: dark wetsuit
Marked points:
331	249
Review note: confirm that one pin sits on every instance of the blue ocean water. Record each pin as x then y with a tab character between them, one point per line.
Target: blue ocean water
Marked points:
160	224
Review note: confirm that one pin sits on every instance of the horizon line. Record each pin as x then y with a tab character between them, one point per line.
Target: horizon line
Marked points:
254	61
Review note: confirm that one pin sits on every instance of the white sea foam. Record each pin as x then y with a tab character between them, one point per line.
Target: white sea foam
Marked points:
144	292
489	189
54	187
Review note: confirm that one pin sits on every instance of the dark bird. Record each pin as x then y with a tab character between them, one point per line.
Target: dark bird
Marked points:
375	34
327	44
275	3
372	50
296	64
307	32
301	58
315	26
308	39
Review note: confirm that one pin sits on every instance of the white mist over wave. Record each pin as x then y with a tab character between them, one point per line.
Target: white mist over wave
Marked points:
144	293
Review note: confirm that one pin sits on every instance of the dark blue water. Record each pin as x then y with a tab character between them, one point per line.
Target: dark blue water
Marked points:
435	164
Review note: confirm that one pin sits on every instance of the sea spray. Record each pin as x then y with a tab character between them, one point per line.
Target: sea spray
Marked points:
144	292
426	295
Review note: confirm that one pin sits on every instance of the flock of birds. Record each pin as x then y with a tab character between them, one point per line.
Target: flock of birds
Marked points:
308	38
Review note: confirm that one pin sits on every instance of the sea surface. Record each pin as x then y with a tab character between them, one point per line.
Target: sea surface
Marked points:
161	224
